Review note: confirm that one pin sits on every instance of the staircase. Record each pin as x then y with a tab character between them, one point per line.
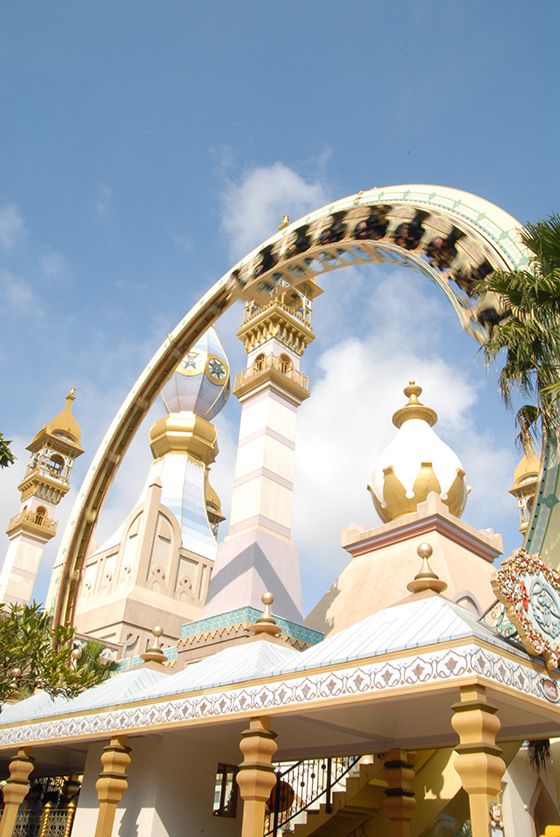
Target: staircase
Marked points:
352	807
357	807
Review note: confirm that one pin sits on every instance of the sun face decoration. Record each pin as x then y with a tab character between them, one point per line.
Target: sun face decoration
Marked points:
530	592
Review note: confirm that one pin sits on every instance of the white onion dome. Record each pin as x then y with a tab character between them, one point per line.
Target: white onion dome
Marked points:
416	463
201	383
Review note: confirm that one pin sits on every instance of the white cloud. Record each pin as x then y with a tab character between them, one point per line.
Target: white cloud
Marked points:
12	226
103	195
356	386
182	242
253	207
18	294
54	265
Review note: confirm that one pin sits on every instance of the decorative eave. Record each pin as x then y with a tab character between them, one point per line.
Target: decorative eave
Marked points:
66	446
520	680
34	478
269	319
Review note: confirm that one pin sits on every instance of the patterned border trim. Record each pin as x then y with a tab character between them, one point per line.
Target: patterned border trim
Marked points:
386	676
250	615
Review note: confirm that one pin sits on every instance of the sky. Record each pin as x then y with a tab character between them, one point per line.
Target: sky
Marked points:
145	147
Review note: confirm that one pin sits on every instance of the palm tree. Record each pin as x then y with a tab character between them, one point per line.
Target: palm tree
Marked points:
528	329
93	659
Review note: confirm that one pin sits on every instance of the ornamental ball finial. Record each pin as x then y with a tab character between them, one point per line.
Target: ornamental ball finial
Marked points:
267	598
424	550
157	631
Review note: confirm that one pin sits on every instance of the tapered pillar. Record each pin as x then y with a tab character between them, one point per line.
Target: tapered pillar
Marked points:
15	789
111	784
399	796
256	777
478	761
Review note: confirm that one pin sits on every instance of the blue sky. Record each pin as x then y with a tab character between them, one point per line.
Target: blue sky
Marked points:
146	146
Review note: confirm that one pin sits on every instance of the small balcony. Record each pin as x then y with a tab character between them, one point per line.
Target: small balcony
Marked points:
35	521
275	369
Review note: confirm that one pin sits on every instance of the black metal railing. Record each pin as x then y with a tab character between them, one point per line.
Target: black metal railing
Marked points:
50	822
303	784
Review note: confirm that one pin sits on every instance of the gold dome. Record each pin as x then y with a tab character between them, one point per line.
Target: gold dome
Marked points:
212	499
65	422
527	468
416	463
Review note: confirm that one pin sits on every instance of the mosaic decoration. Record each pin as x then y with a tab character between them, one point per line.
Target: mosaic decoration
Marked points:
530	592
320	688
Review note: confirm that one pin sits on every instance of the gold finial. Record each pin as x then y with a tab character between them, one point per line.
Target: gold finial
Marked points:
266	624
426	579
154	654
71	393
285	222
414	408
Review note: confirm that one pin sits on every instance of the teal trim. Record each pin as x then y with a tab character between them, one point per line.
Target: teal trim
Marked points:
131	662
249	614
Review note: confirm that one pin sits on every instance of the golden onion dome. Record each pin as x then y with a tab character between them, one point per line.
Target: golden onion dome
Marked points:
527	469
212	499
416	463
64	424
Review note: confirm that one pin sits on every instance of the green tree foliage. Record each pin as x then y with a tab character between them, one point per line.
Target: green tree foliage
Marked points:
33	655
528	331
6	455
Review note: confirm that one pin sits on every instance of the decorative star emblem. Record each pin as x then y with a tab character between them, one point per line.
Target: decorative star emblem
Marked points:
217	368
190	360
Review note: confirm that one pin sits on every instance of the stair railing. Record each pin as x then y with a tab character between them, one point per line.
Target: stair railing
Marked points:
302	785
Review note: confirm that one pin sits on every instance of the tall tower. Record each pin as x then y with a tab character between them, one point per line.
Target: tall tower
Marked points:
155	569
46	481
258	554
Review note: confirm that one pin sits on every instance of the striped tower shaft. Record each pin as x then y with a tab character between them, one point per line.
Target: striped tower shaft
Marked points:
258	554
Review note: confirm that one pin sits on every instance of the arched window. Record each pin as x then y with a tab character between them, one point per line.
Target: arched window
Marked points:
55	464
40	514
259	363
285	364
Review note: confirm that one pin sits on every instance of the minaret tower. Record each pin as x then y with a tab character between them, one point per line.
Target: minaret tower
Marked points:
155	569
46	481
258	554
